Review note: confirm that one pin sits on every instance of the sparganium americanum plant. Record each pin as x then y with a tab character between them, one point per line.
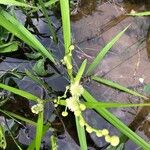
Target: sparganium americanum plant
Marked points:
80	99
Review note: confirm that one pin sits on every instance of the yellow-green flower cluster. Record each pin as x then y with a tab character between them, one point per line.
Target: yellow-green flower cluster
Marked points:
73	103
113	140
39	107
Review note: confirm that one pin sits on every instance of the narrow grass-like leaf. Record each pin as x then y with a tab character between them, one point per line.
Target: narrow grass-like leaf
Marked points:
117	86
48	20
81	135
19	92
64	5
14	26
113	105
53	141
15	3
146	13
32	144
46	4
3	143
9	47
39	130
13	115
81	71
103	52
117	123
38	81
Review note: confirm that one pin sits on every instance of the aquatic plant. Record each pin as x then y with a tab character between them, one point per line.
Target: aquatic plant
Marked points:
76	98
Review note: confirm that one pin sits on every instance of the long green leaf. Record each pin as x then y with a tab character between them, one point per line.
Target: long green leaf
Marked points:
32	144
146	13
103	52
15	3
81	71
13	115
117	86
117	123
64	5
113	105
81	135
14	26
19	92
39	130
48	20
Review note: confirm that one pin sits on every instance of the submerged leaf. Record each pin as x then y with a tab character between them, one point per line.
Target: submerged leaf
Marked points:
39	68
9	47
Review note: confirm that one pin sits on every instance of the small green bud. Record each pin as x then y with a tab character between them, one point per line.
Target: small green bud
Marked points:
64	113
71	47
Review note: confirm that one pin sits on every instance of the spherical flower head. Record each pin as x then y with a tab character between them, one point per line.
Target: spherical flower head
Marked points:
64	113
76	89
107	138
37	108
89	129
99	133
114	140
82	107
72	104
105	132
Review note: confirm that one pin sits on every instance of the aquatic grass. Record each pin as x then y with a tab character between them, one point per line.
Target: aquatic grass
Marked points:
81	135
80	71
46	4
48	20
39	130
117	86
103	52
93	105
117	123
15	3
19	92
15	116
139	14
16	28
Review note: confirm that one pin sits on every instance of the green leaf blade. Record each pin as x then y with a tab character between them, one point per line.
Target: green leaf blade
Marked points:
117	86
103	52
10	23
